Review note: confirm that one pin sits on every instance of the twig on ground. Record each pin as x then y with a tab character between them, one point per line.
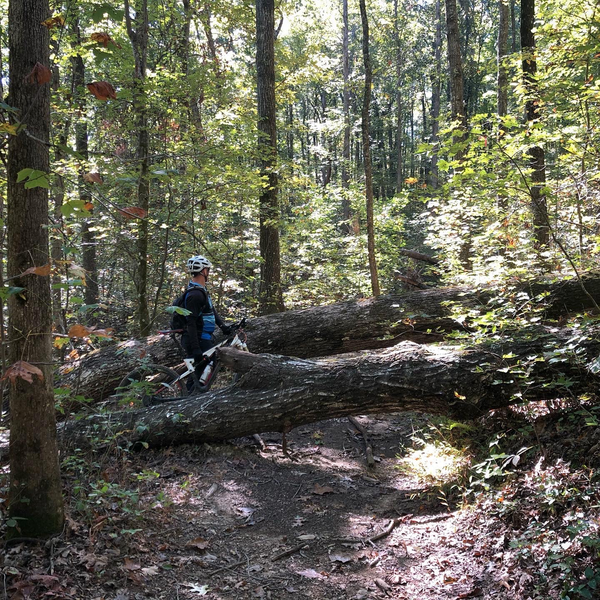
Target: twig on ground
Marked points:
393	524
289	552
239	563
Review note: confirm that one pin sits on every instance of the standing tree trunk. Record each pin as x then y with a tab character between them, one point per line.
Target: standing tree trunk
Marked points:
537	156
270	295
88	238
436	92
399	102
457	102
367	152
35	497
139	44
502	92
346	102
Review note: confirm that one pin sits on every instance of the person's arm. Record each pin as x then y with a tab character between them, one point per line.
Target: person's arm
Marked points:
226	329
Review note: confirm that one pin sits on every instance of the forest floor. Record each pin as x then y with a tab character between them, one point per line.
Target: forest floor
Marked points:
241	521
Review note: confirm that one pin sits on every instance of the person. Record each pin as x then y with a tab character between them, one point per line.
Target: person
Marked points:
203	319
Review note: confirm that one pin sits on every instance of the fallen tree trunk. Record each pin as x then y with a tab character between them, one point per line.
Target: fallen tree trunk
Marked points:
279	393
422	316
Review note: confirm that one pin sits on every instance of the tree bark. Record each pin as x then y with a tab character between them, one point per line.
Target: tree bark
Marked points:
346	227
399	101
139	44
421	316
537	156
456	73
88	237
436	95
502	91
280	393
365	125
270	295
35	496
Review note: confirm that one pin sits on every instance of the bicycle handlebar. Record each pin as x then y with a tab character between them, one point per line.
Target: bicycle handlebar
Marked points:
239	325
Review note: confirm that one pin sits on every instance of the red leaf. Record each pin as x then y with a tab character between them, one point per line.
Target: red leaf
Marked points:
93	178
102	90
23	370
42	271
133	212
39	74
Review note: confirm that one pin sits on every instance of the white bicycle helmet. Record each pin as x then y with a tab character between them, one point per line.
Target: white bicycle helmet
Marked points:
197	264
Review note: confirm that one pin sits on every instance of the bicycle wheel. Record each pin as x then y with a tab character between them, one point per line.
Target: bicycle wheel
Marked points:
150	381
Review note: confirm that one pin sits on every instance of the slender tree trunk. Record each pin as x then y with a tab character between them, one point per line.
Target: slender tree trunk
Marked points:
367	152
399	101
35	497
513	26
436	84
346	228
139	44
457	102
270	297
502	91
88	237
537	156
502	94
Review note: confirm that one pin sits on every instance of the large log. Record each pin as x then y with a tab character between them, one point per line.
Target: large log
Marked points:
279	393
421	316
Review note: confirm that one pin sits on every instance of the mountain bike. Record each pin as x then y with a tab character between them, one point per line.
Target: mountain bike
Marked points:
152	384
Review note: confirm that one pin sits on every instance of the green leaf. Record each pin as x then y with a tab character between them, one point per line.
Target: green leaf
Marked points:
23	174
5	292
8	108
179	310
74	208
33	178
69	151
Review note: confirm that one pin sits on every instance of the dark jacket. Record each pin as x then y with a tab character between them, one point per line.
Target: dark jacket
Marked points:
202	320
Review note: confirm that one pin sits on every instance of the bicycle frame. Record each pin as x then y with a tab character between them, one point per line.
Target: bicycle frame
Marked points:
238	341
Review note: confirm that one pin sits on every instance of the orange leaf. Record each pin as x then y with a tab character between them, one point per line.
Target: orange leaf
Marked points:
101	38
80	331
102	90
52	22
39	74
43	271
133	212
93	178
24	370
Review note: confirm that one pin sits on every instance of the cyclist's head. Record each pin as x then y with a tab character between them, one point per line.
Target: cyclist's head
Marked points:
199	264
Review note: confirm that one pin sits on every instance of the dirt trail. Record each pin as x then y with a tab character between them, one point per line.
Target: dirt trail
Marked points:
236	521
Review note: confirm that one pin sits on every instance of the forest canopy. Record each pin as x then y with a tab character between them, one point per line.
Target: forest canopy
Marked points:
467	200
